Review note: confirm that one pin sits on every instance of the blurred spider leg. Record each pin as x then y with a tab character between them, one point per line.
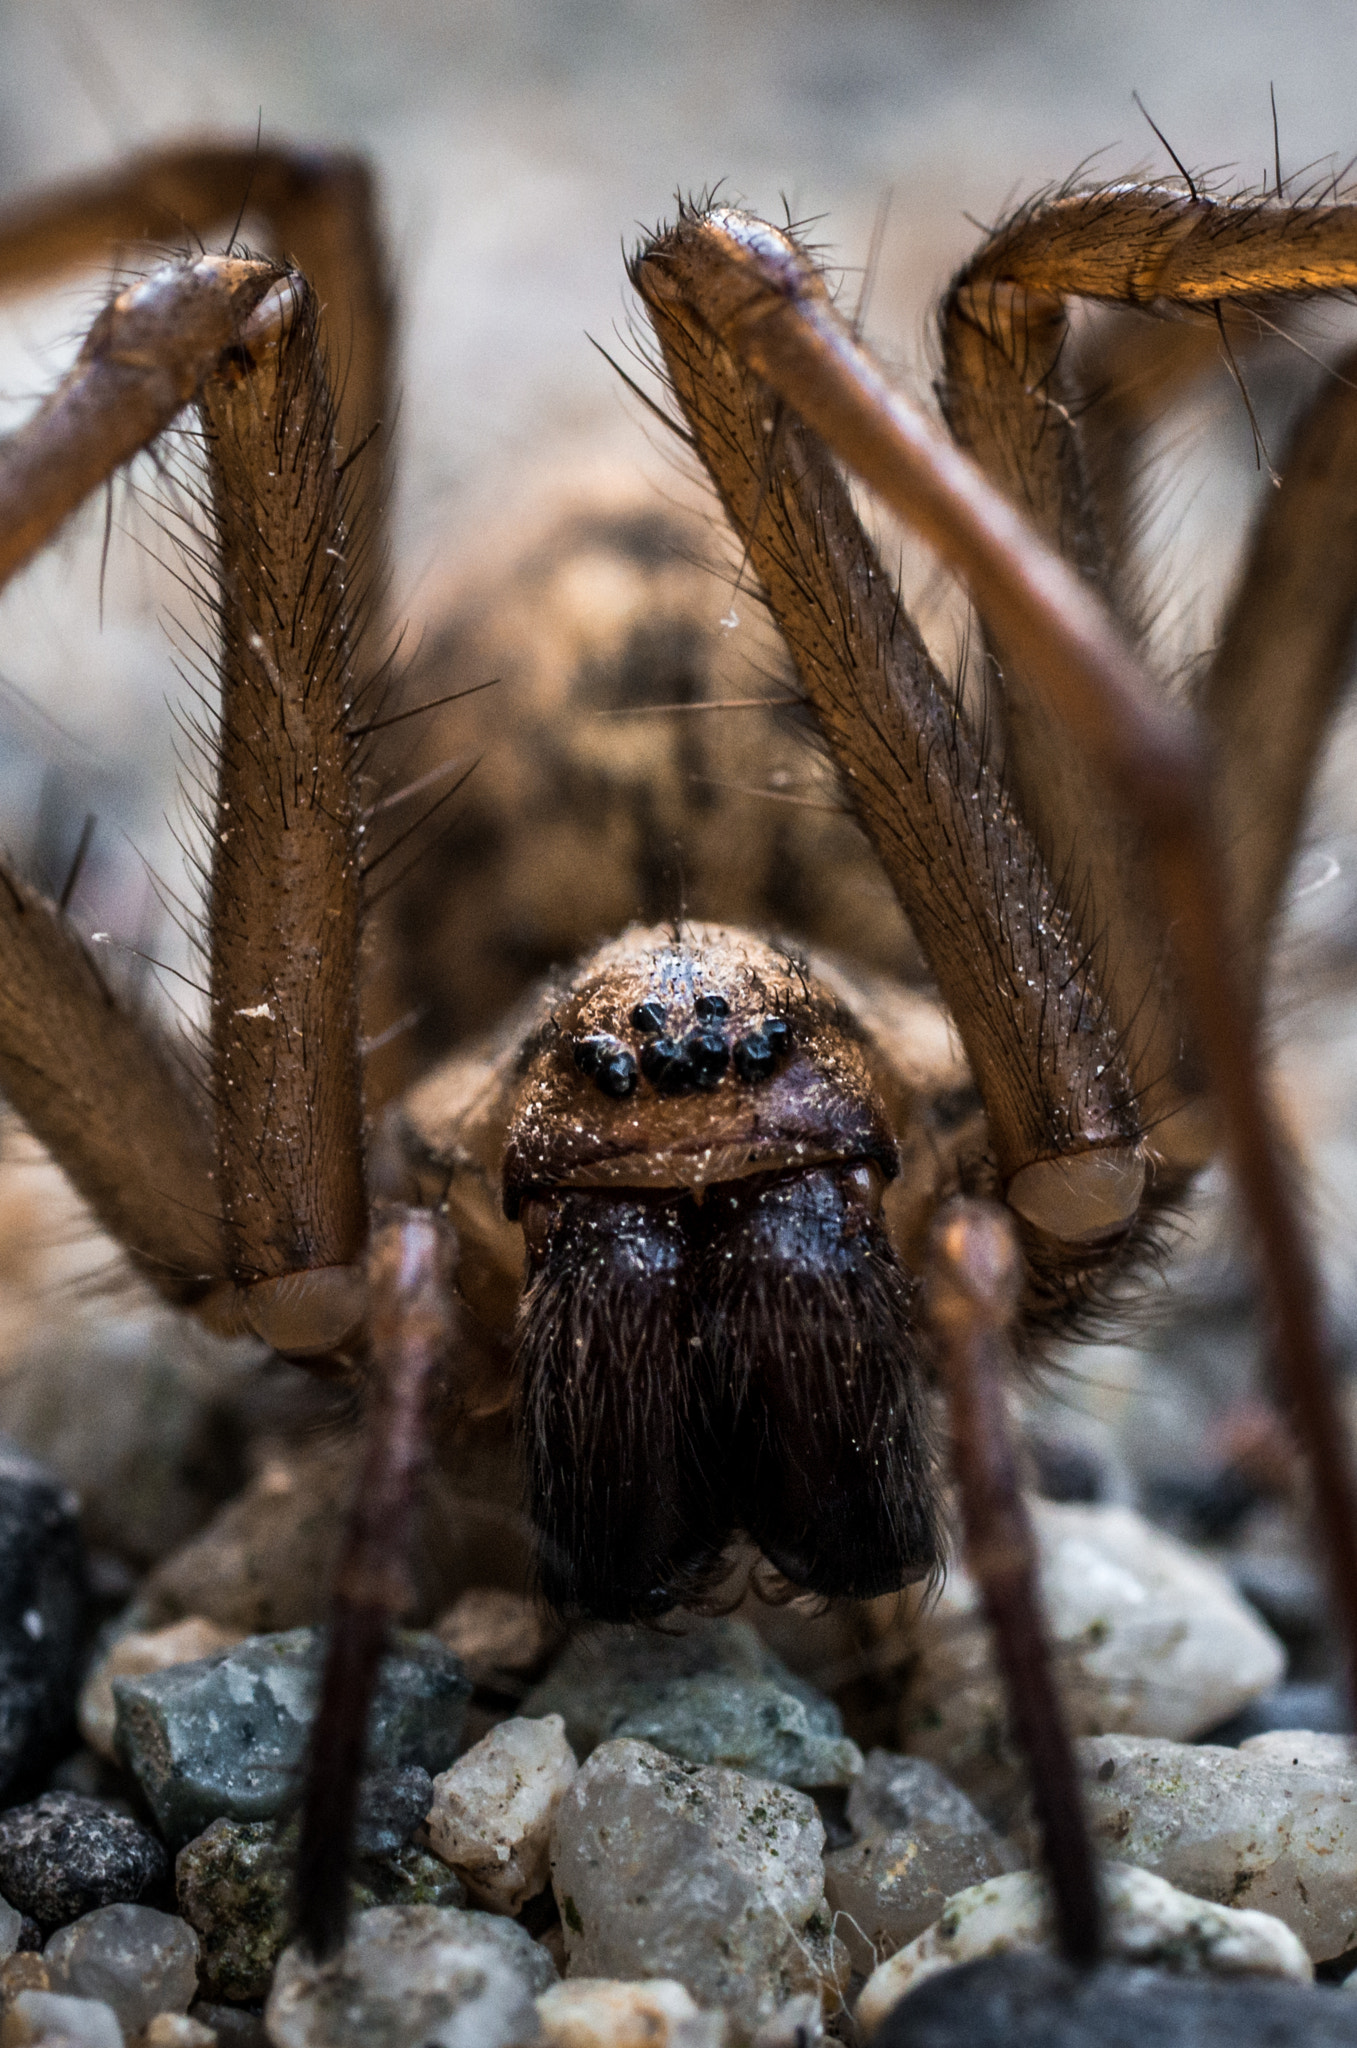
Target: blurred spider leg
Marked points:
1060	1108
973	1281
145	358
411	1328
1011	401
318	210
283	905
1283	661
104	1091
763	297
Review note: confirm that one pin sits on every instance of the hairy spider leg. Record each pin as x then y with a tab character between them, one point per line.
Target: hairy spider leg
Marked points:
732	293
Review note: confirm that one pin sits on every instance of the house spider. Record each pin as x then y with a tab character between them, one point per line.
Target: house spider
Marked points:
726	1162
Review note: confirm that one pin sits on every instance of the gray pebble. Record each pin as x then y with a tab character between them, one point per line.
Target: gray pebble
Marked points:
1037	2001
713	1695
921	1842
235	2026
227	1735
64	1855
392	1805
42	1614
667	1869
234	1885
413	1977
750	1724
135	1959
133	1413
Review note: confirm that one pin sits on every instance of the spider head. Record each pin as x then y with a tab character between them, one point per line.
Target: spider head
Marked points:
716	1333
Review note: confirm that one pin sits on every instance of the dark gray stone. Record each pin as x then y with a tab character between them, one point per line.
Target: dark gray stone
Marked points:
1030	2000
714	1694
234	1889
42	1614
64	1856
392	1806
227	1735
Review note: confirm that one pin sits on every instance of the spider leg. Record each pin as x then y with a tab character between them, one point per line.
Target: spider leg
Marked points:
736	302
318	209
1283	659
1012	401
411	1326
972	1287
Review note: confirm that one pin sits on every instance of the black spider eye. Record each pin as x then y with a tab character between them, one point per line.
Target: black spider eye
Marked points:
711	1006
753	1057
777	1033
648	1017
710	1056
665	1061
607	1063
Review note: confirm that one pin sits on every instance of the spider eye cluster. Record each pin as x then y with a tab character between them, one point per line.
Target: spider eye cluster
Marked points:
679	1065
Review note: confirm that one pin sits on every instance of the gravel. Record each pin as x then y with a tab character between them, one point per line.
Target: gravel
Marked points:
491	1814
1148	1922
135	1959
669	1869
227	1735
413	1977
63	1856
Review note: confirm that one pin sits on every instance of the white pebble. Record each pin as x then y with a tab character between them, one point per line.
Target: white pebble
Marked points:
1148	1922
177	2030
137	1960
492	1811
696	1872
413	1977
134	1654
599	2012
1271	1824
1150	1639
37	2016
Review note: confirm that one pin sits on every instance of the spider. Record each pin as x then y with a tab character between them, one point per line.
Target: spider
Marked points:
719	1159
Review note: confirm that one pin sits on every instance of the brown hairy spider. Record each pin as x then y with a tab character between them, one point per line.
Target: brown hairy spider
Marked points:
725	1162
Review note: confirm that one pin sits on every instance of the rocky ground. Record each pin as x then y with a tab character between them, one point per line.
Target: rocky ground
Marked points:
751	1829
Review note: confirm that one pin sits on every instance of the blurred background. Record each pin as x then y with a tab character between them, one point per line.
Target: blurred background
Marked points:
519	145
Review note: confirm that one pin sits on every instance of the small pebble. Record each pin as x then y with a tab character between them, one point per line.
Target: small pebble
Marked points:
227	1736
492	1812
234	1887
35	2017
668	1869
413	1977
921	1841
1030	2000
64	1855
25	1971
177	2030
266	1561
1149	1639
1317	1704
42	1613
500	1637
1272	1824
597	2012
141	1416
183	1642
135	1959
1148	1922
713	1695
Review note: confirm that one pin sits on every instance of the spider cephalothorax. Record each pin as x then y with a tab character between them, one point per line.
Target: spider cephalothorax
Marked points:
710	1168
